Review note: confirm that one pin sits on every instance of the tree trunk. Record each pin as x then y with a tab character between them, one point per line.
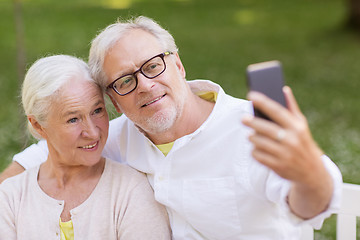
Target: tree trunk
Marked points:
20	60
354	14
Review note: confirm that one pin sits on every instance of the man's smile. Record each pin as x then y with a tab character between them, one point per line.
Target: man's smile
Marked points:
154	100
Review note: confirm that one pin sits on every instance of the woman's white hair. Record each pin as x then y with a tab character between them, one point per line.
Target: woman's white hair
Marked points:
108	37
43	81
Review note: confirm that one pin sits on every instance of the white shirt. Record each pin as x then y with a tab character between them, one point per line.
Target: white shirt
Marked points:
210	184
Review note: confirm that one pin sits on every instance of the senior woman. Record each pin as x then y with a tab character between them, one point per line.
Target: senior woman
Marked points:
76	193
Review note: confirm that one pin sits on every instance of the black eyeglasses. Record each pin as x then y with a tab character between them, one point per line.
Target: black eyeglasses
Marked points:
151	69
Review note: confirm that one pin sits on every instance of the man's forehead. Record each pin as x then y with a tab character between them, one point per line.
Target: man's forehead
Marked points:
134	49
128	54
137	40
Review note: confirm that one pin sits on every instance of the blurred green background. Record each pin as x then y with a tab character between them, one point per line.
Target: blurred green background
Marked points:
217	40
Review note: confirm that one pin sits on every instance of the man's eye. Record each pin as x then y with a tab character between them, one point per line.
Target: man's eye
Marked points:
151	67
126	82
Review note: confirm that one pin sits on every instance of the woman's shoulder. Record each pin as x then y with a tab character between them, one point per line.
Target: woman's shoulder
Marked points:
18	183
123	171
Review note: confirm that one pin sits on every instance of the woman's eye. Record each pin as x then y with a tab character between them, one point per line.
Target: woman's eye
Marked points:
98	110
72	120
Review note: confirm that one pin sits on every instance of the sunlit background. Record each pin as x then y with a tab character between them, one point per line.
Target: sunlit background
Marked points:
217	40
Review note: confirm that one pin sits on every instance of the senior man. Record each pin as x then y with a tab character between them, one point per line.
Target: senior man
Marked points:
220	172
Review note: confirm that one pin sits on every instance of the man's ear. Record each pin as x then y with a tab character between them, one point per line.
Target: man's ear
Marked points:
180	65
116	105
36	125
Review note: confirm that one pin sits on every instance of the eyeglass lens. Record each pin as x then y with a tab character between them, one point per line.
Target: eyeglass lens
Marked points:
150	69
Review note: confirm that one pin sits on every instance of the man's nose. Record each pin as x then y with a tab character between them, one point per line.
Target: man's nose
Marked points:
144	83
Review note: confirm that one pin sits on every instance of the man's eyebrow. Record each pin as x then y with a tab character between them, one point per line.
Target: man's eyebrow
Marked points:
123	73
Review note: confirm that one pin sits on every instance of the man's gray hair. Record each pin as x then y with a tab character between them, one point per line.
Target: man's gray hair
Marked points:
108	37
43	81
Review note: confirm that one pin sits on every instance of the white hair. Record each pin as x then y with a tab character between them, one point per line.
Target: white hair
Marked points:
108	37
43	81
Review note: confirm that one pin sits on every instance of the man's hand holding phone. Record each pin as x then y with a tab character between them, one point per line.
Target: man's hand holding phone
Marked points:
286	146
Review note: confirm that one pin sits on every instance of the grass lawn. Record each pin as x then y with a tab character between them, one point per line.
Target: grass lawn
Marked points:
217	40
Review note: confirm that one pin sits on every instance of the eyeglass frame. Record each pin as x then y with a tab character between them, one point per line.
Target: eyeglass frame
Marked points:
161	55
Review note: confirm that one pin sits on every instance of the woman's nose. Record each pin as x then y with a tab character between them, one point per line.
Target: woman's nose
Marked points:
90	130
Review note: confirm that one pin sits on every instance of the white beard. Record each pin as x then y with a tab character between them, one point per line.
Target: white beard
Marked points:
161	121
165	119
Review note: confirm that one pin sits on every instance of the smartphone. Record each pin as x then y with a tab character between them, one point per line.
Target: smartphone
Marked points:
267	78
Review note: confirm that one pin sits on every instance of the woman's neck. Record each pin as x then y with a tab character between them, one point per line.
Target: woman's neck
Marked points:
61	176
71	184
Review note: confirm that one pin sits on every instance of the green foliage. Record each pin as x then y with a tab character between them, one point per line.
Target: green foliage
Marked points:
217	40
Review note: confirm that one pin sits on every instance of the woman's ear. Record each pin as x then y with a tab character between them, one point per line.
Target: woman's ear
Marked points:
36	126
116	105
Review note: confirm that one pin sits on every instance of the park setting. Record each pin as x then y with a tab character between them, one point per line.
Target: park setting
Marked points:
317	42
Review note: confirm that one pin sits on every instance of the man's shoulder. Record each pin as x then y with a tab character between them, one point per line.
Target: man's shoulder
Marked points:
224	102
231	103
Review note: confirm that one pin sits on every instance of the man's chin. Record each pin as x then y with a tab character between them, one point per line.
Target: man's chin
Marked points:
160	122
